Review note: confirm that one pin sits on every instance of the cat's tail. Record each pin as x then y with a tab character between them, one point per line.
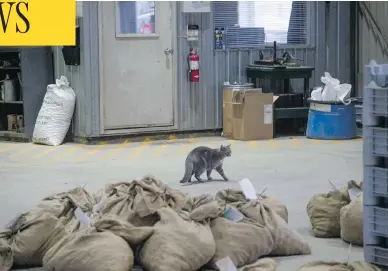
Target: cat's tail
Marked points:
188	172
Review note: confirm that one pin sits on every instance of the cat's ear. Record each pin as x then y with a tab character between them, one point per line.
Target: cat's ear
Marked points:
222	148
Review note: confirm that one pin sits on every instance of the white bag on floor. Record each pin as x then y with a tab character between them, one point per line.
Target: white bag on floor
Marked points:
55	115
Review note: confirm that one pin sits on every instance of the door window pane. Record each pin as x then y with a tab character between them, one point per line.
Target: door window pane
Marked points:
136	17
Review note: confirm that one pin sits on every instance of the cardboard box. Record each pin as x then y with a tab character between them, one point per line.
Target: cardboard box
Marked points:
227	111
252	115
12	123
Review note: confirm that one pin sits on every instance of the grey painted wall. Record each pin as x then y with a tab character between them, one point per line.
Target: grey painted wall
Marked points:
200	105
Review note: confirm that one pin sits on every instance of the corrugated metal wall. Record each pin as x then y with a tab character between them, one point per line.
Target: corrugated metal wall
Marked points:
75	75
84	79
371	44
200	105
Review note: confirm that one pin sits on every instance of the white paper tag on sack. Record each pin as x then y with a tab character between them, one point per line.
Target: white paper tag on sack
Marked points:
12	221
353	193
248	189
226	264
82	217
233	214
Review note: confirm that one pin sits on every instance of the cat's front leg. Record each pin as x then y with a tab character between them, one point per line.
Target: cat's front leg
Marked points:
208	174
220	171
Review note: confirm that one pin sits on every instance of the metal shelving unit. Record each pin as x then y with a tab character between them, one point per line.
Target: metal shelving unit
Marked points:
375	160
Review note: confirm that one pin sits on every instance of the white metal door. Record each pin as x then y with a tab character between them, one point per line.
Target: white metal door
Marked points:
137	64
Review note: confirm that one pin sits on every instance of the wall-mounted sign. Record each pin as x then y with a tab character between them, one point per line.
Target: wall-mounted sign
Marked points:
196	6
192	32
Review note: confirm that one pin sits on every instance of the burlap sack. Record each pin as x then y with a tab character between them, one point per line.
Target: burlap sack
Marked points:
178	243
59	204
337	266
30	237
264	264
351	221
138	201
6	256
324	213
234	196
277	206
287	241
243	242
202	208
103	247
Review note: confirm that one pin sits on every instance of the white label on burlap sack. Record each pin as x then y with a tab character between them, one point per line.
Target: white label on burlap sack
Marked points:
353	193
268	116
82	217
233	214
248	189
226	264
12	221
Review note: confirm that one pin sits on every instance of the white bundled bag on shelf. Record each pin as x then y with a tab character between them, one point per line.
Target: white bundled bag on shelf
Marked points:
55	115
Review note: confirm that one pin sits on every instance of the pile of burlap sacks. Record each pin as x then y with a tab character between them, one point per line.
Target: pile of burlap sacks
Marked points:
334	215
149	224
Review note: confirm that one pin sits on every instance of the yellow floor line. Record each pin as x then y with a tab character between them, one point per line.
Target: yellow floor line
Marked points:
25	150
192	139
116	150
93	151
159	150
184	150
12	147
137	150
44	152
316	141
64	154
295	142
274	144
252	144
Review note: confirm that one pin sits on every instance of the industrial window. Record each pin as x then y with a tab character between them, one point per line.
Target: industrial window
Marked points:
135	17
257	23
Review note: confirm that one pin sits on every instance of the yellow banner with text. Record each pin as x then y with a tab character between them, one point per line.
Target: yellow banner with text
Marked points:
37	23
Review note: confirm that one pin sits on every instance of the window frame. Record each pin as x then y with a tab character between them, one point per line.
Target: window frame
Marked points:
120	35
310	8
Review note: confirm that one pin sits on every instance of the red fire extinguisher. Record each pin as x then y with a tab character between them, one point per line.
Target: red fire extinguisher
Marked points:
193	60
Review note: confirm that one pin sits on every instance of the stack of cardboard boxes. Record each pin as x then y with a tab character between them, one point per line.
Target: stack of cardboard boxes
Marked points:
247	114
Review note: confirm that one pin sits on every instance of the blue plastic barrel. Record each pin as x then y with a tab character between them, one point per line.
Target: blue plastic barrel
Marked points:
331	120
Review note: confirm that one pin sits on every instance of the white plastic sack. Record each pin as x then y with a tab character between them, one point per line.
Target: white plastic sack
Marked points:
343	93
333	90
55	115
316	94
328	93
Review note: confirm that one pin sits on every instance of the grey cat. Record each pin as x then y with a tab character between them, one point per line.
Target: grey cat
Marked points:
203	159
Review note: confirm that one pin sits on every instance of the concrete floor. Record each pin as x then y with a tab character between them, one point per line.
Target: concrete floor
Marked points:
292	169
